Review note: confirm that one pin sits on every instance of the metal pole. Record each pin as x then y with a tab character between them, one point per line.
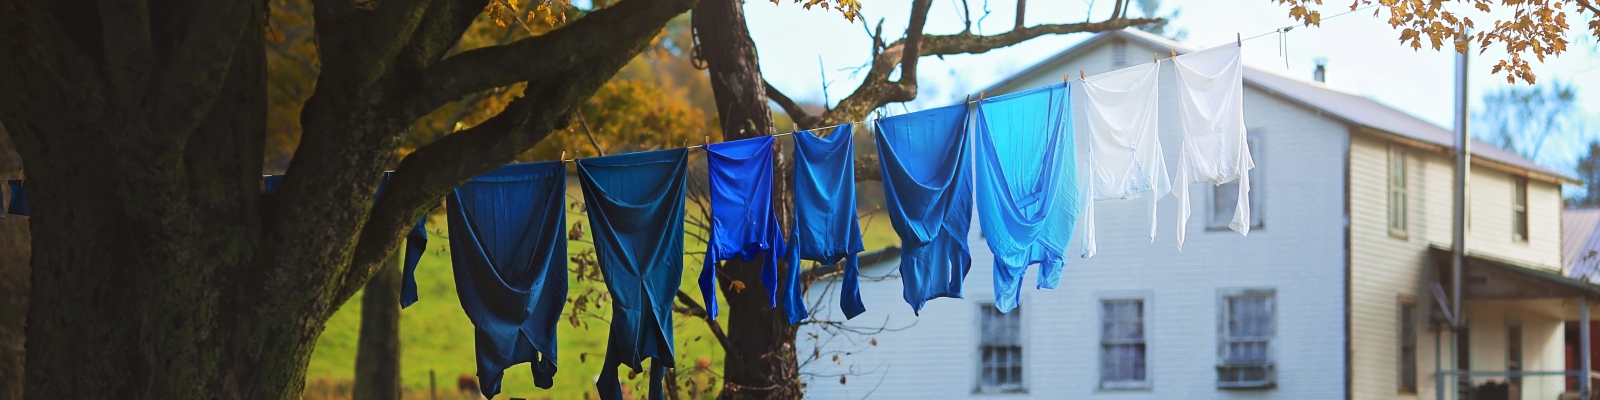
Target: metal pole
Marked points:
1583	330
1438	363
1458	246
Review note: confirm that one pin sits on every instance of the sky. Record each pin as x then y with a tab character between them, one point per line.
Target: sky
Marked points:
804	51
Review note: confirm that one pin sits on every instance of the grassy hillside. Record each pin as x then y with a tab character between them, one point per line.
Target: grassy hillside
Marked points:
436	335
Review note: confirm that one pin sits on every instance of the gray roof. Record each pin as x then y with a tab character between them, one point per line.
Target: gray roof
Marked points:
1580	246
1348	107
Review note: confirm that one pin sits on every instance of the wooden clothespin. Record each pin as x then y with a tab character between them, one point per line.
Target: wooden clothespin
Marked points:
980	96
708	142
796	126
563	157
1064	78
1080	75
1155	57
1174	53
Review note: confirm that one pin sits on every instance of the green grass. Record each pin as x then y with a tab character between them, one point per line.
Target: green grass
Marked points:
436	335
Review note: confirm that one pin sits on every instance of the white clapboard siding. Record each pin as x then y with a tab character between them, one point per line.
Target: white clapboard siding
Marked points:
1299	253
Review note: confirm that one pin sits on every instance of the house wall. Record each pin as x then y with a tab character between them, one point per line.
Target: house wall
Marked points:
1299	253
1386	268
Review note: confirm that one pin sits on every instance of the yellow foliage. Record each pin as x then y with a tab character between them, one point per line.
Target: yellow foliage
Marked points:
1536	29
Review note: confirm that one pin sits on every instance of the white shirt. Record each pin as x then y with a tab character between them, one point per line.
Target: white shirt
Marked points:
1124	160
1211	108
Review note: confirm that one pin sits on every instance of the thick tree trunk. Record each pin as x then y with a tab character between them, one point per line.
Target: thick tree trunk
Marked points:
378	349
14	255
761	363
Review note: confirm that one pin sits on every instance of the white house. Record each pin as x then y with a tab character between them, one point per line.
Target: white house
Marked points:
1329	297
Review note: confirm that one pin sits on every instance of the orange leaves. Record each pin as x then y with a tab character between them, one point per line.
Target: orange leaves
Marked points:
851	9
1533	30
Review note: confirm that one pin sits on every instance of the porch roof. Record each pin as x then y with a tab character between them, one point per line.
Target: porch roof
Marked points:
1489	278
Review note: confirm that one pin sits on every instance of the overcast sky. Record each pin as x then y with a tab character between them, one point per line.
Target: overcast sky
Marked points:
799	47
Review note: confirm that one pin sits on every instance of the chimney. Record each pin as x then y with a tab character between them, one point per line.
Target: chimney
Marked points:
1321	73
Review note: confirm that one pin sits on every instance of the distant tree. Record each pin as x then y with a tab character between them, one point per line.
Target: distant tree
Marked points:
1589	176
1522	118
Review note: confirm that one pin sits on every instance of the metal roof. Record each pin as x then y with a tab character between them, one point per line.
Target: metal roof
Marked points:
1344	106
1580	246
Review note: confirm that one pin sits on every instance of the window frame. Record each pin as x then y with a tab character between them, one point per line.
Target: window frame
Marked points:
1519	194
1145	298
1516	352
1223	339
1256	141
1407	304
981	387
1399	219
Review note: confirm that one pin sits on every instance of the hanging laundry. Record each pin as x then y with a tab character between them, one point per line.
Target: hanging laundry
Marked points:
743	222
509	251
635	206
1211	108
1026	186
928	187
416	240
1124	160
825	226
19	199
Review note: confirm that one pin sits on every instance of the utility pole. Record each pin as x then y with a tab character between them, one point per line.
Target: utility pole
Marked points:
1458	247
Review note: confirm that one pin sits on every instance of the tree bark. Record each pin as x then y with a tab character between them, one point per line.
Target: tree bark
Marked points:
378	347
760	361
14	255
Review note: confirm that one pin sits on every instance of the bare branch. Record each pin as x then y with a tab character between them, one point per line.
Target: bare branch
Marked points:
799	115
693	308
571	47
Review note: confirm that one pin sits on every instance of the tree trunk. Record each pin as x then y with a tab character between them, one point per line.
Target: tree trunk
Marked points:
761	363
378	349
14	255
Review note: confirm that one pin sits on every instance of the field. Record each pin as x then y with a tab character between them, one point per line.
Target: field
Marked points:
437	337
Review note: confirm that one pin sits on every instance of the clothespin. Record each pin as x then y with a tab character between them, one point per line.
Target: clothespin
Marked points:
1155	57
969	100
1174	53
1080	75
980	96
708	142
563	157
1237	40
1064	78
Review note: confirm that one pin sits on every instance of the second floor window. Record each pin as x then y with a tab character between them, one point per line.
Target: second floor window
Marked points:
1000	368
1519	209
1397	191
1122	344
1248	324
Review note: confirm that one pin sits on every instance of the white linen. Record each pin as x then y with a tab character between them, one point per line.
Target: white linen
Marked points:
1211	111
1124	160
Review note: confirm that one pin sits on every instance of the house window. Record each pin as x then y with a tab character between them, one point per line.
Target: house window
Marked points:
1225	197
1245	349
1122	344
1519	209
1514	350
1001	350
1119	54
1408	346
1397	192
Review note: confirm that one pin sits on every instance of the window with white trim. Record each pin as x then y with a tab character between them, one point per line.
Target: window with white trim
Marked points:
1398	212
1000	350
1519	209
1123	360
1247	324
1225	197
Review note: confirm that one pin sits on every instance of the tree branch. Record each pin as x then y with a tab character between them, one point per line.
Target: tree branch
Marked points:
693	308
594	35
796	113
590	56
194	75
358	46
44	71
128	52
